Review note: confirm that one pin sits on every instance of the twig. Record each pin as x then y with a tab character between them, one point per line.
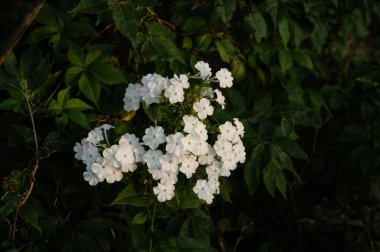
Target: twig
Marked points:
28	20
160	20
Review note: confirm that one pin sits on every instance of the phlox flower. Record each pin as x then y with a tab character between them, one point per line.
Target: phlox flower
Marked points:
169	162
164	192
225	78
227	131
189	165
207	158
220	98
113	175
213	171
169	177
154	136
152	158
175	94
203	108
239	127
204	69
91	178
174	144
100	169
222	147
132	97
180	81
203	191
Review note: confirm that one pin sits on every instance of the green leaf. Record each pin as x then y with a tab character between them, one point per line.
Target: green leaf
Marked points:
236	99
226	50
286	61
198	227
129	197
281	183
269	176
253	169
291	147
140	218
90	6
283	28
79	118
226	9
106	73
90	87
76	103
8	104
195	24
62	97
30	215
71	74
125	21
75	56
174	244
92	56
257	22
303	59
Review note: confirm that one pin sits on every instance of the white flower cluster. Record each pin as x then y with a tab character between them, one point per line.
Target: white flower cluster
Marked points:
187	152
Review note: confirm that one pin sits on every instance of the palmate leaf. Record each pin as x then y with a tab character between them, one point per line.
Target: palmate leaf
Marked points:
125	21
129	196
90	88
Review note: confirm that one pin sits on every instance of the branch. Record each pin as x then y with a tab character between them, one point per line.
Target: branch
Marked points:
23	27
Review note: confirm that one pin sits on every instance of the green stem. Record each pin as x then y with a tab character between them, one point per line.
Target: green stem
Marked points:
152	226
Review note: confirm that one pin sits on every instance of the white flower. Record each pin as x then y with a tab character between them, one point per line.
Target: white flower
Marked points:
174	144
181	81
152	158
114	174
130	139
189	143
169	178
214	186
95	136
139	152
220	98
125	155
204	69
225	78
189	165
222	147
132	97
207	92
164	192
175	94
91	178
109	156
90	155
209	157
190	122
154	136
78	151
228	131
203	108
100	169
213	171
239	127
239	151
203	191
201	148
153	85
169	162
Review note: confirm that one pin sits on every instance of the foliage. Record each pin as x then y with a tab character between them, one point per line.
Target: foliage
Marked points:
306	86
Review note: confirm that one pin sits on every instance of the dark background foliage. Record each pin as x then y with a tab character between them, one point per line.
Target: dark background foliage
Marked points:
306	88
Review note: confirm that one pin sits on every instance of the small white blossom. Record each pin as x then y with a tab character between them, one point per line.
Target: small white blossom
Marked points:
132	97
174	144
222	147
209	157
189	165
180	81
203	191
213	171
164	192
114	174
175	94
225	78
154	136
152	158
220	98
204	69
239	127
203	108
100	169
91	178
169	162
228	131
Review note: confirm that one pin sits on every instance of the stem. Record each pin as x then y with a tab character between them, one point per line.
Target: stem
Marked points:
32	175
152	226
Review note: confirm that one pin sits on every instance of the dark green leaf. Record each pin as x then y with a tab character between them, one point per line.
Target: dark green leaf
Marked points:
125	21
90	6
257	22
54	142
226	50
106	73
140	218
90	87
129	197
76	103
79	118
303	59
226	9
286	61
283	28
